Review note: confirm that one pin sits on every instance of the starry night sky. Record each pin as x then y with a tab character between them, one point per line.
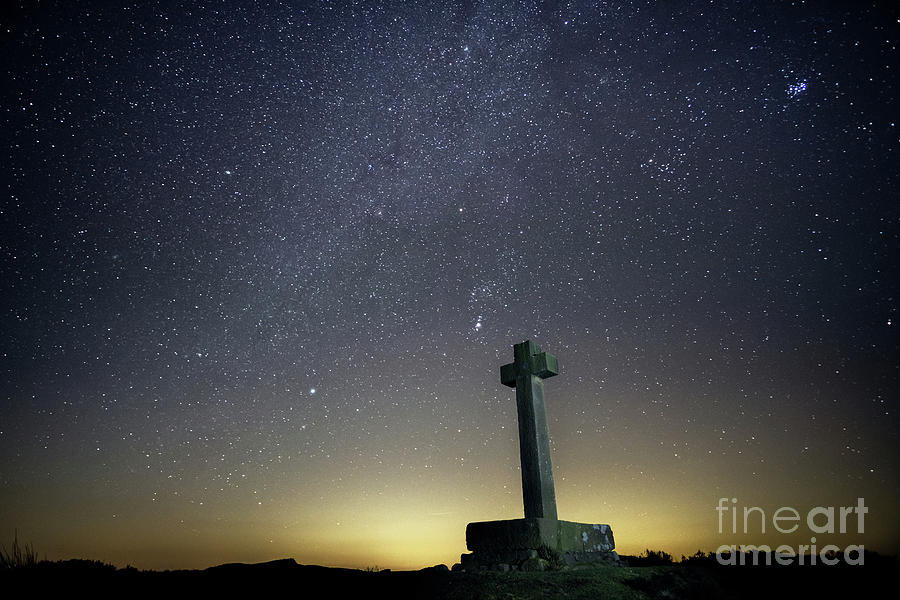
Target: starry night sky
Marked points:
261	262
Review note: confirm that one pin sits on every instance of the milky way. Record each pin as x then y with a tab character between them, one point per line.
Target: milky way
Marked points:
261	265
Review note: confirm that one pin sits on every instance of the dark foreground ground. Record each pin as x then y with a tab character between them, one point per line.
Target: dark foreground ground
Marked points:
688	581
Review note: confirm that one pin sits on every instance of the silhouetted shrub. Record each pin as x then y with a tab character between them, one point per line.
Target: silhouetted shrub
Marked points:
18	556
554	559
699	558
650	558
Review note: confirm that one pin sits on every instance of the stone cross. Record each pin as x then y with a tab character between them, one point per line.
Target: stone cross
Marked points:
526	374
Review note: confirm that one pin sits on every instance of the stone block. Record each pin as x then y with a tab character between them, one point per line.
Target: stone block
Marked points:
584	537
534	564
497	538
467	561
513	534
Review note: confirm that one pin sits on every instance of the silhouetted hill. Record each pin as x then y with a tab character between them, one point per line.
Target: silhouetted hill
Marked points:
691	579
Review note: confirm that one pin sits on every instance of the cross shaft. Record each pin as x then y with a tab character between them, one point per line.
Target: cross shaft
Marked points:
526	374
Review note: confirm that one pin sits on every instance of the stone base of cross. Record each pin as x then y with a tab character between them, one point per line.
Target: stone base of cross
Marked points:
540	539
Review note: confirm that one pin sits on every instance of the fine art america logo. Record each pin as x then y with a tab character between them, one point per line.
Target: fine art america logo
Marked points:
787	520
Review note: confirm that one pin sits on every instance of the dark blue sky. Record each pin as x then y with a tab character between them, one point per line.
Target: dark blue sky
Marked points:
273	256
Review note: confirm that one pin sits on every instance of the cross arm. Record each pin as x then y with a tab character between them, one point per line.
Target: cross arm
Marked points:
529	361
